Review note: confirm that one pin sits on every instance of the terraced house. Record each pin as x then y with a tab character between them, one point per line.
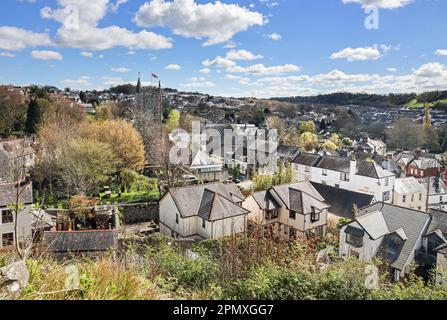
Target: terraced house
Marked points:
360	176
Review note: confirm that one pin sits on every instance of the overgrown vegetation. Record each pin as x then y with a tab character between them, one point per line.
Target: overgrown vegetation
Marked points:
235	268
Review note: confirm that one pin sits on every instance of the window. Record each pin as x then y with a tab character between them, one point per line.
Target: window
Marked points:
344	176
8	239
7	217
286	229
292	214
324	172
337	185
440	199
306	169
203	223
356	242
412	198
386	196
319	231
387	182
271	214
422	173
314	216
176	218
404	198
420	196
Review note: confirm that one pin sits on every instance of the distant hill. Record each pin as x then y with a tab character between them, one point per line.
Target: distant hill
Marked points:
436	98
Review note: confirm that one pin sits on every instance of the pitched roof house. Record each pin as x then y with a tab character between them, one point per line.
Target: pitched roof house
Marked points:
8	195
348	174
289	210
419	164
399	236
207	211
408	192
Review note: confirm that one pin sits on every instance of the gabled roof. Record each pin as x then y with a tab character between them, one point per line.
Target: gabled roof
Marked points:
342	201
265	200
8	194
408	185
383	219
438	222
202	159
299	197
307	159
363	168
288	151
211	201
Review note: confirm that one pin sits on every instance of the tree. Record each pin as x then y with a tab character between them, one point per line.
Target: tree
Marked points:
277	123
406	135
122	137
347	142
173	120
328	145
308	141
38	112
307	126
13	108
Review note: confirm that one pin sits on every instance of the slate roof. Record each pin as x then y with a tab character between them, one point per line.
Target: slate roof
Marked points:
265	200
299	197
286	151
438	222
375	218
363	168
342	201
307	159
408	185
81	241
211	201
8	194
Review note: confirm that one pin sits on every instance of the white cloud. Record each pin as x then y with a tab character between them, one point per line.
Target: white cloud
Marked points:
217	22
441	52
273	36
431	70
391	69
205	71
112	81
219	62
117	5
79	28
121	70
87	54
81	82
12	38
46	55
362	54
173	67
431	76
200	84
381	4
260	69
7	55
242	55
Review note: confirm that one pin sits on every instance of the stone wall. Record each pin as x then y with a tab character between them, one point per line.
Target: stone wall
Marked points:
139	213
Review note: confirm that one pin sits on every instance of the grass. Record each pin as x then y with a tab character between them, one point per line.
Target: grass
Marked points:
413	104
130	197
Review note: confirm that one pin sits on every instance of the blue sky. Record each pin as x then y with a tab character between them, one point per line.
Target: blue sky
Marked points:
258	48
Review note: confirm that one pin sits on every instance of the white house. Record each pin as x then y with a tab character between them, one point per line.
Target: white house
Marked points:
371	146
408	192
208	168
289	210
391	233
358	176
8	193
208	211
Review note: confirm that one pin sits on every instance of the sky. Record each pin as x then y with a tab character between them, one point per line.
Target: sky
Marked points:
239	48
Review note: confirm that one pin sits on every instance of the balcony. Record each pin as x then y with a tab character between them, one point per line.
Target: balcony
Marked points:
424	258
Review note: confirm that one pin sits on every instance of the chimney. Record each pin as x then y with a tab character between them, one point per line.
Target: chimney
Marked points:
352	167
